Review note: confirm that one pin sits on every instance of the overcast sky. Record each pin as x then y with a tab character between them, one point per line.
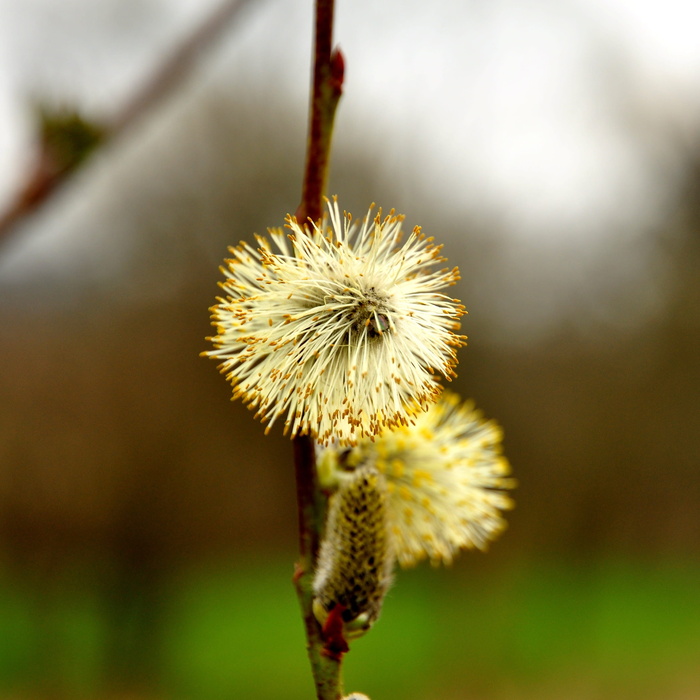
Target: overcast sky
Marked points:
563	118
525	101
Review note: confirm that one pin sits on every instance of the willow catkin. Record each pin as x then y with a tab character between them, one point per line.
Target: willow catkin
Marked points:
355	560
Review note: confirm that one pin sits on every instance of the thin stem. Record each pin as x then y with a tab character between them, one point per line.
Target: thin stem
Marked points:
325	670
327	84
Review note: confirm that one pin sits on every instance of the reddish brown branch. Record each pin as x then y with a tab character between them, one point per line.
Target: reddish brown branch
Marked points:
326	91
327	87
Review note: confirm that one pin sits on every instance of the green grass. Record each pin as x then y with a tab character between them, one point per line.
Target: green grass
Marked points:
625	629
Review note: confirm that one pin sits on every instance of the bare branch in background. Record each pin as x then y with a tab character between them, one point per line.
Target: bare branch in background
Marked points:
66	140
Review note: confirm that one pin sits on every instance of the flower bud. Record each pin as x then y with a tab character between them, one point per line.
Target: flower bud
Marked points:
355	560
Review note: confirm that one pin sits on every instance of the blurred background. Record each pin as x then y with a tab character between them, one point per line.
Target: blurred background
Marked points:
147	529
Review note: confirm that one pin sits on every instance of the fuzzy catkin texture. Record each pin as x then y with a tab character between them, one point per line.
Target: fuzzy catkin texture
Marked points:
318	324
355	561
447	480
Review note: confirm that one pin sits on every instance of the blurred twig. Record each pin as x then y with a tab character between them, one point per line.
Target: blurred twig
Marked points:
66	140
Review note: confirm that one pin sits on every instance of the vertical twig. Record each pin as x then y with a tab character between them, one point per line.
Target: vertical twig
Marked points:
328	68
327	85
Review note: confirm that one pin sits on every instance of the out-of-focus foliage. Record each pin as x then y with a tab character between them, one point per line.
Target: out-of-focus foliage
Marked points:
67	138
618	629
